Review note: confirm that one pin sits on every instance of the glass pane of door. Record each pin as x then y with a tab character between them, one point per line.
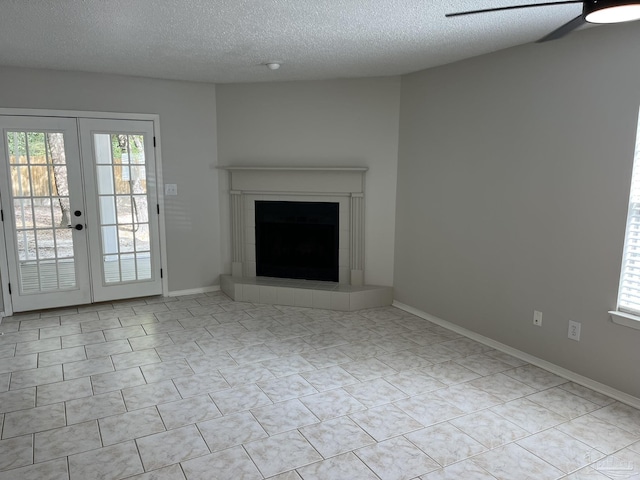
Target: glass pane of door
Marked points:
123	207
40	188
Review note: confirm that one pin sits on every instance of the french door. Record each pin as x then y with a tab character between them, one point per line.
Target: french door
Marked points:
79	203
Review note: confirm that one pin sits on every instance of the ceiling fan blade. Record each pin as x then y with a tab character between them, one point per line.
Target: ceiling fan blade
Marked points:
560	32
511	7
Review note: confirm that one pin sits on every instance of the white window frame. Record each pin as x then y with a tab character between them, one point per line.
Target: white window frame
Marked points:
627	311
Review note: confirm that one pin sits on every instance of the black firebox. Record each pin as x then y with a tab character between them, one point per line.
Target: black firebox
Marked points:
297	240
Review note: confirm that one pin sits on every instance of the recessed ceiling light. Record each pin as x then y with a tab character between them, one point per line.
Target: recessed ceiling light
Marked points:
273	66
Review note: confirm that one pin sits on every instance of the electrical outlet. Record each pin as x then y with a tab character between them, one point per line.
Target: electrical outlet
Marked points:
537	318
170	189
574	330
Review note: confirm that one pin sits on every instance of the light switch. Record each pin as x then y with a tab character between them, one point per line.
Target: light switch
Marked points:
170	189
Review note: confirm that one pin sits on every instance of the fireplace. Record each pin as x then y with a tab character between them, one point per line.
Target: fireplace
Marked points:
341	186
297	240
304	192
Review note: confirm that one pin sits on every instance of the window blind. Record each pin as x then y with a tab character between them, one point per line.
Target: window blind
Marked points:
629	291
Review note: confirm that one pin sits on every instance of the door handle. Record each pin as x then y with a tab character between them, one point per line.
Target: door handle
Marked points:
77	227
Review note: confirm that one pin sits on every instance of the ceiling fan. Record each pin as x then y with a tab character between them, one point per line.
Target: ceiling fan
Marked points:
593	11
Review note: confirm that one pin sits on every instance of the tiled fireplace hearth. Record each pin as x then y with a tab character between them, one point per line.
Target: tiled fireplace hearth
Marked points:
342	186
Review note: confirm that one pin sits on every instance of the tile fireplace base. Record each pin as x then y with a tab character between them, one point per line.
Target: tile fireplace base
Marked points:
305	293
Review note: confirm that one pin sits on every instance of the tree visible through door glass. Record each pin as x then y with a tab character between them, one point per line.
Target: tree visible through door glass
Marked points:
124	209
40	192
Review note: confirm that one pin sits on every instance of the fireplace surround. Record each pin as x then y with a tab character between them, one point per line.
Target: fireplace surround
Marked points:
342	186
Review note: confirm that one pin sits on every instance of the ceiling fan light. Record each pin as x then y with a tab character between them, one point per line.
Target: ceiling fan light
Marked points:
602	11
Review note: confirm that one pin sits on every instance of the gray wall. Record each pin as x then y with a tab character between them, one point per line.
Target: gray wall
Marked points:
513	183
328	123
188	125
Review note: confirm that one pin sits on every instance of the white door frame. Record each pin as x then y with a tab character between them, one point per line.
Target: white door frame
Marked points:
25	112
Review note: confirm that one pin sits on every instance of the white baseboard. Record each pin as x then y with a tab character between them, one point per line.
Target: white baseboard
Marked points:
538	362
194	291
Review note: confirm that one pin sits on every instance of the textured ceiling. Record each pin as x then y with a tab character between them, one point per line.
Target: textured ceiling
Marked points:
226	41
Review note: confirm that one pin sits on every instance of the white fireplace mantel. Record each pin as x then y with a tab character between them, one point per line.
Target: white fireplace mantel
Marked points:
344	185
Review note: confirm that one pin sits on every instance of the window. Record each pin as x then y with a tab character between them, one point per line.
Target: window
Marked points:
629	290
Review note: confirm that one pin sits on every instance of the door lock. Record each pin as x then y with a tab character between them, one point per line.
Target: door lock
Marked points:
77	227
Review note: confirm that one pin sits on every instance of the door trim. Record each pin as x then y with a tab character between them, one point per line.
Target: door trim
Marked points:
155	118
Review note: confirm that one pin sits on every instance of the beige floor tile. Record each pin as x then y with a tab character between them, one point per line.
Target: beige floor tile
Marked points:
512	461
598	434
150	341
15	364
188	411
529	415
36	346
118	380
52	470
151	394
483	364
231	464
59	357
283	416
503	387
375	392
36	419
107	463
346	465
563	402
239	399
331	404
281	453
561	450
286	388
620	415
113	347
61	442
586	474
200	383
62	391
135	359
97	406
396	459
592	396
166	448
84	368
445	443
336	436
624	464
36	376
467	397
130	425
17	399
172	472
488	428
329	378
158	372
209	362
287	365
16	452
429	409
231	430
535	377
385	422
450	373
459	471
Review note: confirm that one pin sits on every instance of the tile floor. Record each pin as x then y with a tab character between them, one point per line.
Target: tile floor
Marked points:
201	387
